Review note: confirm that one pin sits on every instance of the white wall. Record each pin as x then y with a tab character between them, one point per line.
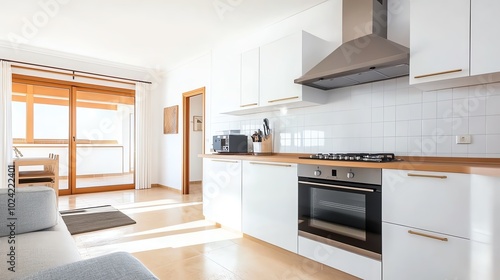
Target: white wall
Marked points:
74	62
196	140
193	75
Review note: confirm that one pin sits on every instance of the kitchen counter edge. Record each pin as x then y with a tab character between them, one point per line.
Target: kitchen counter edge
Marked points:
478	166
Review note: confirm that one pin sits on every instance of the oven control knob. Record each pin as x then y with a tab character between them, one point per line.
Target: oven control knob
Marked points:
317	172
350	175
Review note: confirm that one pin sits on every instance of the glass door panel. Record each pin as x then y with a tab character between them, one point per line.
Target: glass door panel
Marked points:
40	123
104	140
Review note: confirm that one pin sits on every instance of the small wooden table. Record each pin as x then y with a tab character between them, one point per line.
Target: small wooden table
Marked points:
48	176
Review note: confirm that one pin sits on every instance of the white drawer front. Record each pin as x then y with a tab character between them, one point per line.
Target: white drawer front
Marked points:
357	265
432	201
412	256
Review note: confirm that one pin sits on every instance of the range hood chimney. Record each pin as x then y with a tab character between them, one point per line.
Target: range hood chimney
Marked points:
365	54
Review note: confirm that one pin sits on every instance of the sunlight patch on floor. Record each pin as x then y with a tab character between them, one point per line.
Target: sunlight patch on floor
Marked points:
184	226
146	204
157	208
172	241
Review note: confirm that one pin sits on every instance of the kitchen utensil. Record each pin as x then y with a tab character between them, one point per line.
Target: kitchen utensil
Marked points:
267	130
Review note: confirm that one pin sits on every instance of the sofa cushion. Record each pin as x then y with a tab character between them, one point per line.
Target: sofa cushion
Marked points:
114	266
34	208
36	251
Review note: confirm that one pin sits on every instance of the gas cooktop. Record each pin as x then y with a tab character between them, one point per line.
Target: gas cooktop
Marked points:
380	157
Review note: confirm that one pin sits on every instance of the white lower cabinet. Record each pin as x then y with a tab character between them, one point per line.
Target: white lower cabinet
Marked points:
270	203
357	265
426	225
485	227
222	192
434	201
410	253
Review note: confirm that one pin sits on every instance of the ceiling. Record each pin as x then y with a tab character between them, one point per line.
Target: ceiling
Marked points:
150	33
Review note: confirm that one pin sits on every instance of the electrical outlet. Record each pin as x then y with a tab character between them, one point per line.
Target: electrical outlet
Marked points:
463	139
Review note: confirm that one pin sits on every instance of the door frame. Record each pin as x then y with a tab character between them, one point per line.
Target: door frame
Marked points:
186	134
72	87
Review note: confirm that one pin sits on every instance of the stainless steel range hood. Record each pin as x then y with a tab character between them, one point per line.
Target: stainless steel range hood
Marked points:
366	55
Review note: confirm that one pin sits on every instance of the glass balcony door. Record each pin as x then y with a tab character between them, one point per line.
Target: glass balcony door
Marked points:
40	123
103	140
91	129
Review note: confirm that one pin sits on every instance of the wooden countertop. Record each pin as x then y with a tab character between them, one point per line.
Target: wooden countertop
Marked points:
479	166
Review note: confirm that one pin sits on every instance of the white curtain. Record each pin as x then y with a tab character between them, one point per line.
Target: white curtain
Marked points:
143	120
5	120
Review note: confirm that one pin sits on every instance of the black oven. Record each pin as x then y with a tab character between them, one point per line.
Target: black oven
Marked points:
342	207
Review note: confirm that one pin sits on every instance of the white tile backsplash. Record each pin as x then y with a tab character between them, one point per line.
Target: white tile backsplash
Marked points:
429	96
477	125
386	116
460	126
444	144
403	112
389	129
460	93
444	126
390	97
460	107
478	145
377	114
493	124
492	105
402	96
492	144
402	128
429	110
389	113
444	94
477	106
444	109
415	128
429	127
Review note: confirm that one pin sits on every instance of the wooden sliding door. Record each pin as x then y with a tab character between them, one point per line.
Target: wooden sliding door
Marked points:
90	128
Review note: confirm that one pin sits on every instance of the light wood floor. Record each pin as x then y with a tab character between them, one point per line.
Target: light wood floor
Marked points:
174	241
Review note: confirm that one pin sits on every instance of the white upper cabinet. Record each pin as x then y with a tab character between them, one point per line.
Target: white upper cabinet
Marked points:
485	41
283	61
249	95
225	81
452	43
268	74
439	40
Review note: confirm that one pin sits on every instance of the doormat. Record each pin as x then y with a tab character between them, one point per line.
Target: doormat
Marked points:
94	218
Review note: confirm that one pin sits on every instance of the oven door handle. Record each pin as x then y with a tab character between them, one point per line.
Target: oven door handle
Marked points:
337	187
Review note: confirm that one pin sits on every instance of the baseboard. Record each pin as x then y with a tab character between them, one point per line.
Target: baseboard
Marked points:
167	187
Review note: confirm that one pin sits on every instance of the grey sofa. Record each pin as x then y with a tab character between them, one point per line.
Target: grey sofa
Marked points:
36	244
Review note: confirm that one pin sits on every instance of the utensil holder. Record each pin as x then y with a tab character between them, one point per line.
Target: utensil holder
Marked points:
265	147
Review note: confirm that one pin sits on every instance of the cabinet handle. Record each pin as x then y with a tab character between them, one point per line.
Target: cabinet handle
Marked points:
282	99
248	105
438	73
444	239
228	161
273	164
428	176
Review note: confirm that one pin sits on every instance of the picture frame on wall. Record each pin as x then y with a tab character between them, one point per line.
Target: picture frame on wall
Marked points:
170	120
197	123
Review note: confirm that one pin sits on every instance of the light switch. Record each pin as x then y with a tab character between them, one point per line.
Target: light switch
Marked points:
463	139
